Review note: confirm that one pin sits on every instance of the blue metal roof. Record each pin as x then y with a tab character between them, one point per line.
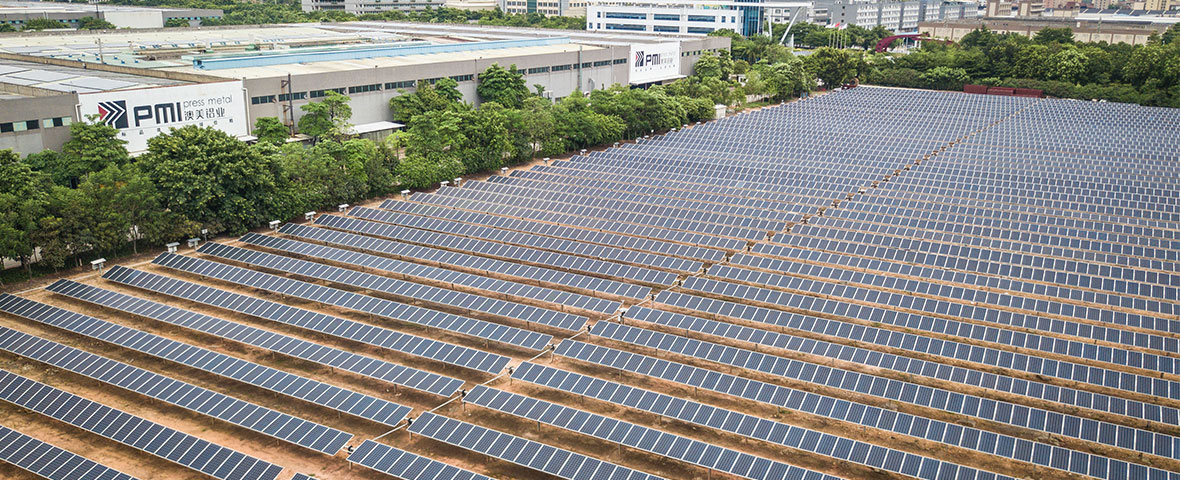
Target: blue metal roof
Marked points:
365	51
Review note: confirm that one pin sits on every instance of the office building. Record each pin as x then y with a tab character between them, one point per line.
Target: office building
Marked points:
361	7
17	13
691	17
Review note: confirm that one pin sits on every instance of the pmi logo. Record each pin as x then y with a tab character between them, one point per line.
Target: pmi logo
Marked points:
113	113
651	60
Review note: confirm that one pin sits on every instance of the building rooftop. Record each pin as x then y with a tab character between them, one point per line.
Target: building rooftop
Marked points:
67	79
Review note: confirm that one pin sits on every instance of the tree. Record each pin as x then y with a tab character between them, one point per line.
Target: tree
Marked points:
214	179
832	66
43	24
4	28
708	66
487	141
176	22
442	96
271	130
945	78
23	199
1067	65
328	117
786	79
1048	36
503	86
95	23
125	204
92	146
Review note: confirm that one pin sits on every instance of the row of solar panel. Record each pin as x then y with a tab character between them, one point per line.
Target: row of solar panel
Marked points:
1017	239
551	217
905	341
937	244
973	303
950	211
644	204
639	189
689	252
1005	446
686	223
453	279
200	400
1100	187
171	445
1126	381
745	425
659	262
470	263
397	288
1132	205
49	461
1081	274
538	456
314	321
531	256
313	352
294	386
1037	419
1065	202
353	301
947	271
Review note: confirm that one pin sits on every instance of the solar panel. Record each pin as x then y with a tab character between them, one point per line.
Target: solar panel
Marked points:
635	436
275	342
887	388
609	270
206	402
730	421
399	288
869	416
659	262
404	465
554	461
594	286
363	303
294	386
452	279
51	462
177	447
317	322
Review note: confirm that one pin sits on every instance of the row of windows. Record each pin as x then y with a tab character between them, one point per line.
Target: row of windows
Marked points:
25	125
666	17
703	18
633	16
376	87
700	30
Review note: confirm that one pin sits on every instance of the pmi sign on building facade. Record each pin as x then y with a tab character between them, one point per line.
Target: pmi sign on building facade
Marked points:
654	62
140	114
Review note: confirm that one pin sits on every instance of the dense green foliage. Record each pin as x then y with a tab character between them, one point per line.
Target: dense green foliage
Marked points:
42	24
1051	61
95	23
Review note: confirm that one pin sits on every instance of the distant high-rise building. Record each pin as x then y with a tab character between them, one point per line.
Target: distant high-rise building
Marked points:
548	8
746	17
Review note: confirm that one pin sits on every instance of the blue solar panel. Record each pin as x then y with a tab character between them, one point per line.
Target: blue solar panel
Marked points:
177	447
49	461
407	466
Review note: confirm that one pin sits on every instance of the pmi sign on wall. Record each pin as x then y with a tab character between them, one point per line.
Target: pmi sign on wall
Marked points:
653	62
140	114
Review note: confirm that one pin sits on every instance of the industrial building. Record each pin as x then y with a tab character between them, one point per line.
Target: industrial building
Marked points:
361	7
690	17
1130	31
17	13
227	77
564	8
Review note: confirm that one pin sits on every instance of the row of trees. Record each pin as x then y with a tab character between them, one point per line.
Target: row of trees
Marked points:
1051	61
36	24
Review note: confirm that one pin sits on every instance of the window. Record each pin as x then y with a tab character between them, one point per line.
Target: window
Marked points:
620	26
560	68
666	28
620	61
536	70
702	18
397	85
56	122
32	125
324	93
262	99
700	30
283	97
602	63
586	65
630	16
376	87
463	78
5	127
666	17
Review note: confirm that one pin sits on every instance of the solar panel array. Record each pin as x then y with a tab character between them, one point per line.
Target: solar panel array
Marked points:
49	461
927	285
261	376
153	438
